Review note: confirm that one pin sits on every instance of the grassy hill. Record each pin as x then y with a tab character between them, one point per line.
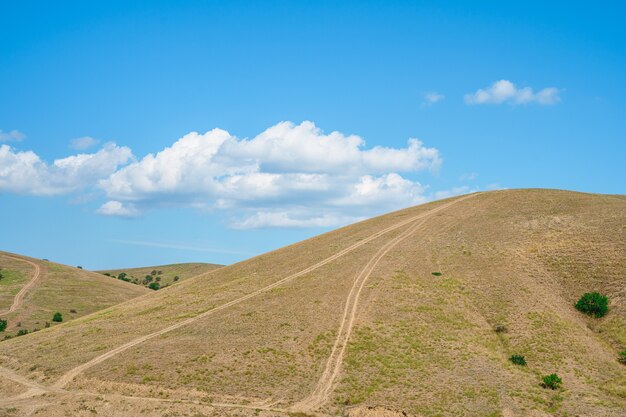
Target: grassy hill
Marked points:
416	312
43	288
164	275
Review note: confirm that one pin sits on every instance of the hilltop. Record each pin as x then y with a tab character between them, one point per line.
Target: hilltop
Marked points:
416	312
33	290
164	275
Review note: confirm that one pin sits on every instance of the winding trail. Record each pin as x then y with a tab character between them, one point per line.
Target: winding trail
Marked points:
19	298
326	383
73	373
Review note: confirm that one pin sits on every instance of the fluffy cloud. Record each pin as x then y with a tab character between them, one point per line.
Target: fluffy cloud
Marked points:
23	172
432	98
289	175
15	135
83	143
505	91
116	208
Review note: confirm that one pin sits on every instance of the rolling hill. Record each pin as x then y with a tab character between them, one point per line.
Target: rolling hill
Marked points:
32	290
416	312
165	275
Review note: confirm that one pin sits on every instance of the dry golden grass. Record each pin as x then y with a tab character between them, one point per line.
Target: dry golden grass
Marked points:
59	288
422	344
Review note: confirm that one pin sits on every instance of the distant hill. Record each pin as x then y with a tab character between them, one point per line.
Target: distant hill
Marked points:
164	275
33	290
414	313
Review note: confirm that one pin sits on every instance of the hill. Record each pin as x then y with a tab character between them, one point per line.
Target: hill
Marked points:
416	312
32	290
164	275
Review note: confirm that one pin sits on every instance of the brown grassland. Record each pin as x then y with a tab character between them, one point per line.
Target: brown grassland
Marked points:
58	288
354	322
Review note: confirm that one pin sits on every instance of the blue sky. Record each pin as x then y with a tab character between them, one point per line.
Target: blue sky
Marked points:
523	95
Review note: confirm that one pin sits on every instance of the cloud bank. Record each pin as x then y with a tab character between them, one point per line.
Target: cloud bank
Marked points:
287	176
504	91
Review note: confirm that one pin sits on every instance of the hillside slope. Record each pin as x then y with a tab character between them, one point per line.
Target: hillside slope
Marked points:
165	275
354	321
32	290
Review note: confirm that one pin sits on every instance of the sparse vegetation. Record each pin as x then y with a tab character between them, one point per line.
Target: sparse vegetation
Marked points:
57	317
593	304
21	332
552	381
500	328
622	357
518	360
3	325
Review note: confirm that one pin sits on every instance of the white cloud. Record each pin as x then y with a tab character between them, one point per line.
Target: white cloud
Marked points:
83	143
23	172
431	98
505	91
14	135
285	176
116	208
469	176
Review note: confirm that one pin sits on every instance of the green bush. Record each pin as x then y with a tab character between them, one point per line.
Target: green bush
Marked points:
437	274
57	317
21	332
121	275
622	357
3	325
154	286
552	381
518	360
176	278
593	304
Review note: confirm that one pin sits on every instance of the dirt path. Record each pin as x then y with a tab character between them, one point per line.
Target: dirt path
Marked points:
73	373
325	385
19	298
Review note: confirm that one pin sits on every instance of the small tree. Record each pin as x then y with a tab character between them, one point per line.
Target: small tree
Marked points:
79	267
552	381
121	275
593	304
3	325
154	286
518	360
148	278
57	317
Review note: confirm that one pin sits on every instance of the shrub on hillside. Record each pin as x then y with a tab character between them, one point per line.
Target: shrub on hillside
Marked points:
552	381
176	278
21	332
148	278
518	360
154	286
622	357
500	328
3	325
121	275
57	317
1	276
593	304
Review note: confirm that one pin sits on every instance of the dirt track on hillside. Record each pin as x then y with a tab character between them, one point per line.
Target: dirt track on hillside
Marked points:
19	298
325	385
